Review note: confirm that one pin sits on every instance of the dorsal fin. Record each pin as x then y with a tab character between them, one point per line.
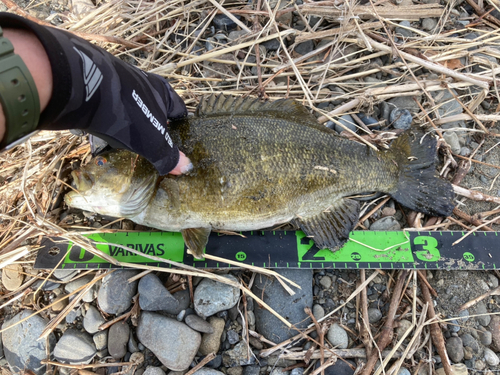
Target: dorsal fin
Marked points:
220	105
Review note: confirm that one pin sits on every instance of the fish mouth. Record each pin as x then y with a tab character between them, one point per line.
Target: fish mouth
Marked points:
81	181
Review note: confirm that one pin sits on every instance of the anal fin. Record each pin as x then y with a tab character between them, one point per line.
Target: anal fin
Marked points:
196	239
330	229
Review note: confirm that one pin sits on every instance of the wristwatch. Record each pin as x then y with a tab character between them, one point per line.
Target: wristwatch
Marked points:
18	96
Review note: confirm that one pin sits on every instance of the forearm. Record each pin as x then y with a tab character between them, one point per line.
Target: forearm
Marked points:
34	56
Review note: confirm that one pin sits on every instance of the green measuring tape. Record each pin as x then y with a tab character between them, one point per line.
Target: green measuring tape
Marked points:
286	249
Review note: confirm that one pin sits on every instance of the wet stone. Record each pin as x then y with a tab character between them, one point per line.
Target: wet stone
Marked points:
198	324
115	294
211	296
153	296
21	347
338	336
75	347
291	307
118	336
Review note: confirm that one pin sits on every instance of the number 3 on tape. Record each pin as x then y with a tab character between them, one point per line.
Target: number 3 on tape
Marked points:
430	252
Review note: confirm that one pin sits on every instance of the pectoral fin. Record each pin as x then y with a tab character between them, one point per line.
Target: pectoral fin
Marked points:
330	229
196	239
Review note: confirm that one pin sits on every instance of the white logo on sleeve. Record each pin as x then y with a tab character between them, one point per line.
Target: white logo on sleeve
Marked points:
92	76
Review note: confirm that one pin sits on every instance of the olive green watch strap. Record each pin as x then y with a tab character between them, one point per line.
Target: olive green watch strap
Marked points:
18	96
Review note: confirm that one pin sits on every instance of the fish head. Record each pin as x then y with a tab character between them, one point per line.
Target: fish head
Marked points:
117	183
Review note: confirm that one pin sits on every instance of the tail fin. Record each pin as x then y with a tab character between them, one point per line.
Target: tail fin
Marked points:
420	187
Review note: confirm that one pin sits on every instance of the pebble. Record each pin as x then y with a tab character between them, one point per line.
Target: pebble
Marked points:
184	301
118	336
401	118
404	371
405	102
92	320
46	285
346	367
74	285
101	340
386	224
232	337
12	276
347	121
73	315
65	275
402	31
251	370
198	324
452	139
429	24
455	349
60	302
115	294
297	371
207	371
374	315
22	349
176	354
75	347
152	370
235	35
448	104
304	48
404	325
210	342
238	356
223	22
153	296
326	282
385	111
132	344
290	306
318	311
338	336
494	327
211	296
485	318
469	341
457	369
485	337
491	357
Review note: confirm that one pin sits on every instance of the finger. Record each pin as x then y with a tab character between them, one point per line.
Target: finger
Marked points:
183	166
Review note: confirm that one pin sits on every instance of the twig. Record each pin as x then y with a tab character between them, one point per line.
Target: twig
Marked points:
475	195
202	363
472	302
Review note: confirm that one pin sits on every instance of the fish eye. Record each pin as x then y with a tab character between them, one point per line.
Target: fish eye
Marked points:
100	161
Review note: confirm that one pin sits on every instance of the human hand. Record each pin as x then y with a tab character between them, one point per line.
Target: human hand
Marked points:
183	166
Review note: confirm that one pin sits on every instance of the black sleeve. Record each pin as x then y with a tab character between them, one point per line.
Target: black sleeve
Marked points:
99	93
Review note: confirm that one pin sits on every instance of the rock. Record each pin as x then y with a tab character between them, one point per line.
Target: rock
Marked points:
401	118
211	296
65	275
117	339
12	276
374	315
235	35
448	104
291	307
198	324
184	301
491	357
21	347
92	320
45	285
452	139
176	354
75	347
405	102
403	371
132	344
238	356
101	340
348	122
326	282
232	337
223	22
251	370
455	349
484	318
457	369
279	371
429	24
494	327
485	337
297	371
385	110
346	367
151	370
207	371
238	370
402	31
338	336
469	341
318	311
304	48
272	45
60	302
404	325
115	294
73	315
210	342
386	224
153	296
74	285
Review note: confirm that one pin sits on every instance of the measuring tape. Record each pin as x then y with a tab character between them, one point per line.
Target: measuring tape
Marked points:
285	249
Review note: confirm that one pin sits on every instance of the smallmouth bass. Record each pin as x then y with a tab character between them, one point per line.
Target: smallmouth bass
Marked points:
257	165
